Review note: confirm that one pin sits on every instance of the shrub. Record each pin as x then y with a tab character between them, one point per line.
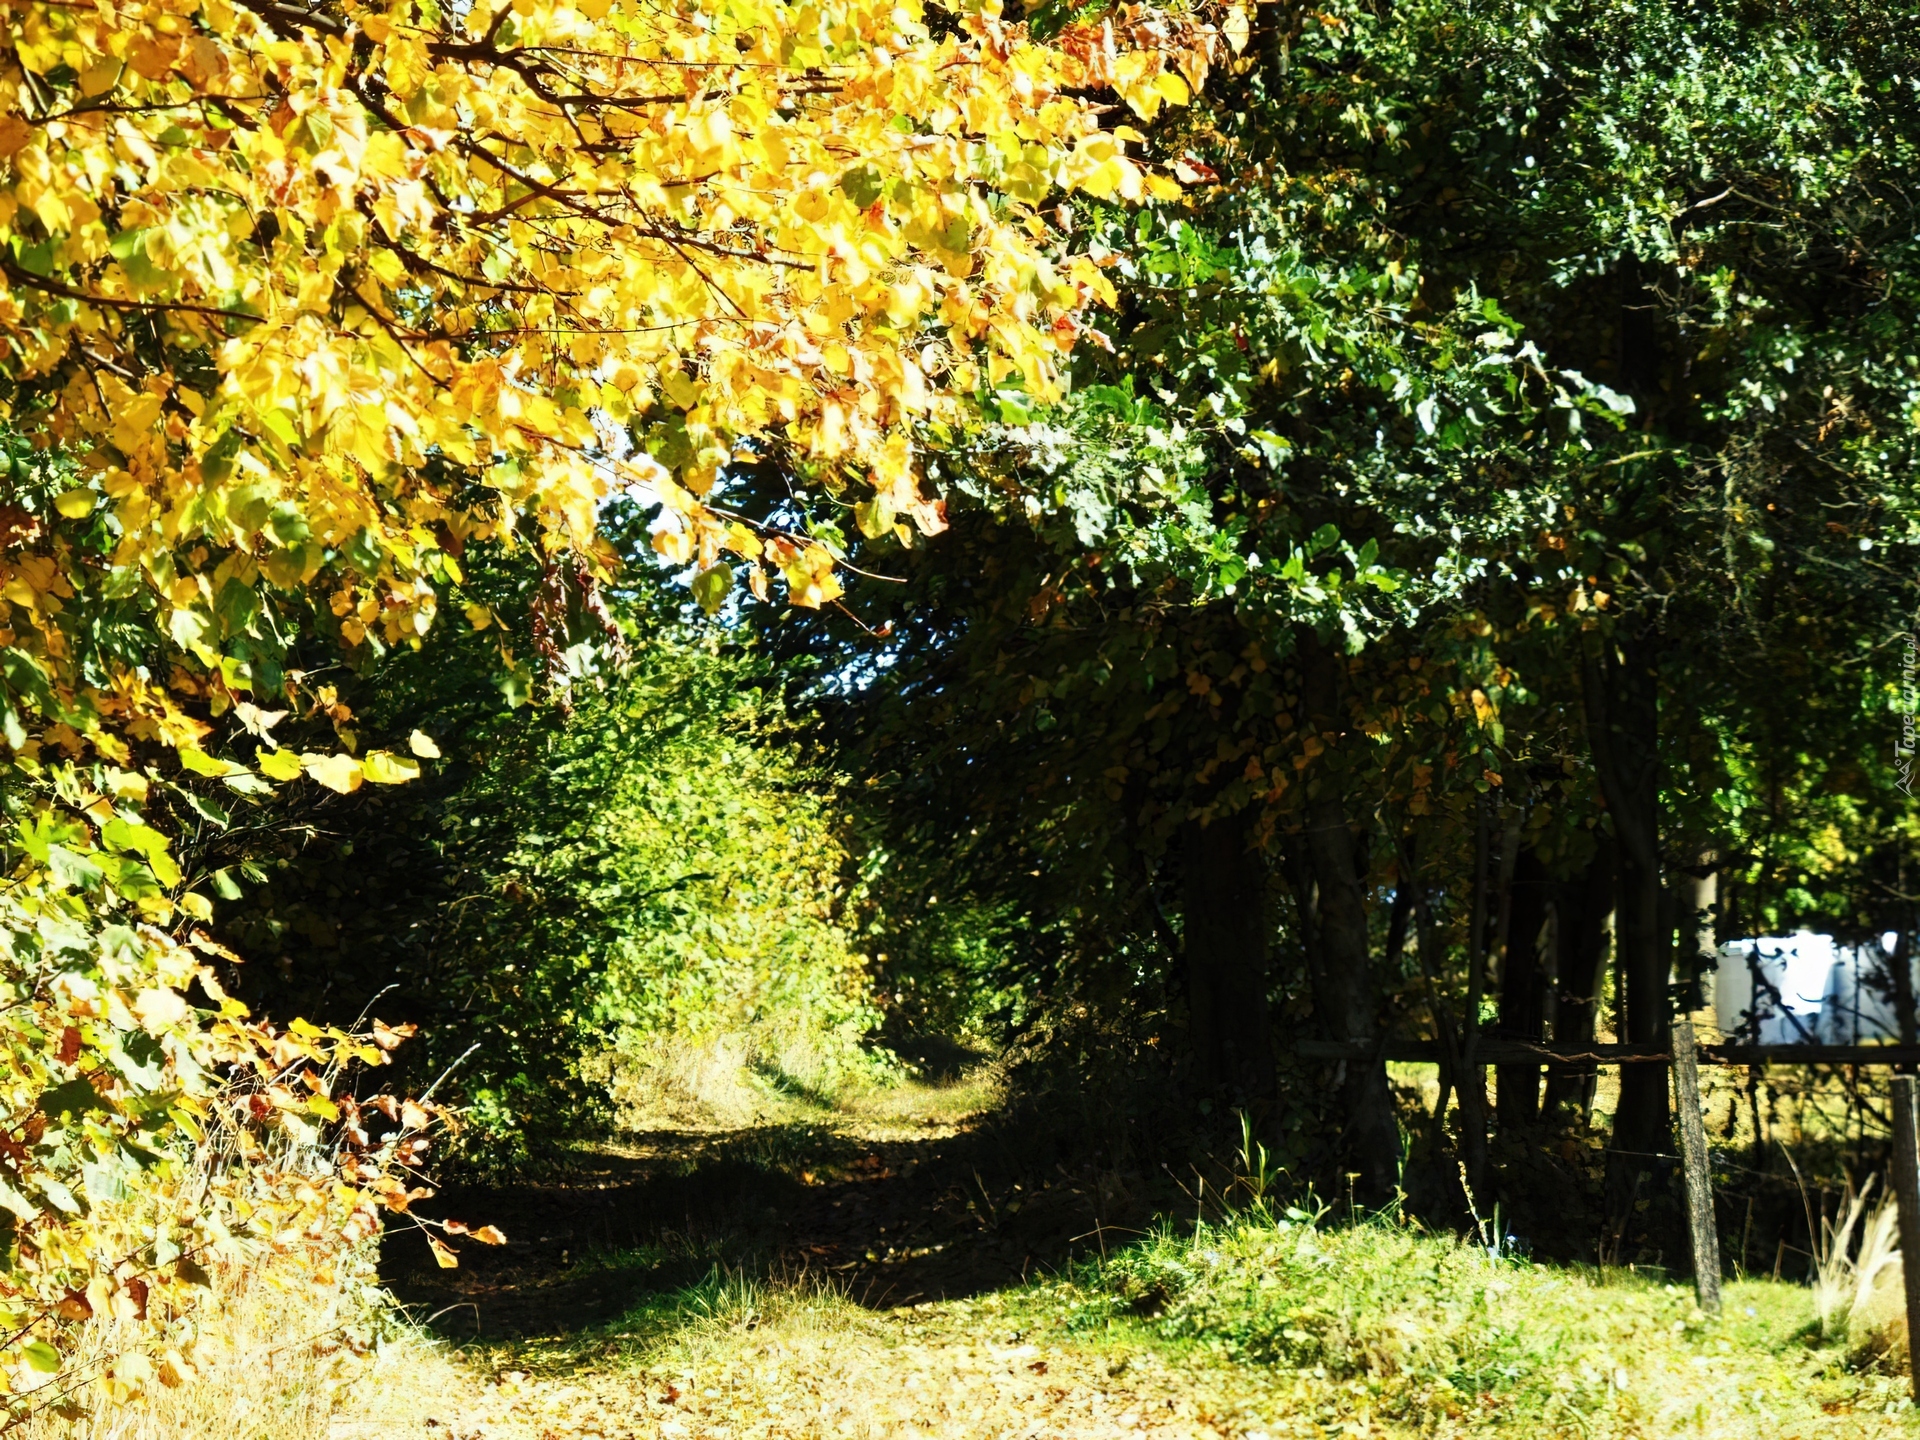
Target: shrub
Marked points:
152	1143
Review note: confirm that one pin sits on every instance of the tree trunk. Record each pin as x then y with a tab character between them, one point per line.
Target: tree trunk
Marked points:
1225	944
1582	906
1696	956
1697	909
1345	973
1523	988
1471	1081
1621	691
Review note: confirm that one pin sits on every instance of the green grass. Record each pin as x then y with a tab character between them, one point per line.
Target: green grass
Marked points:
1432	1335
1376	1329
1268	1323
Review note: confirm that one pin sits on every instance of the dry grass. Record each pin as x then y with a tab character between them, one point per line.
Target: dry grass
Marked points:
1878	1322
804	1364
270	1354
689	1086
1845	1275
919	1107
737	1359
1859	1286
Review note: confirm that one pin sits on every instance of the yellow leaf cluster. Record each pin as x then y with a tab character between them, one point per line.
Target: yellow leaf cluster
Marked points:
321	292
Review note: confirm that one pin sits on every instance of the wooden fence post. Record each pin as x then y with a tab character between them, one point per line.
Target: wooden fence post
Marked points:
1693	1153
1906	1186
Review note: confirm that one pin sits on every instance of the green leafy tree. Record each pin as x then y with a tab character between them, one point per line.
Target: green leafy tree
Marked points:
1565	354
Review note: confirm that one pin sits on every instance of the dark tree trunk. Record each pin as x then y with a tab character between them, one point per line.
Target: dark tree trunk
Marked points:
1621	690
1344	975
1582	906
1523	988
1471	1078
1398	920
1225	946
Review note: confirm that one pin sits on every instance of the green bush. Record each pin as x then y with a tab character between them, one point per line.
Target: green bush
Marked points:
570	884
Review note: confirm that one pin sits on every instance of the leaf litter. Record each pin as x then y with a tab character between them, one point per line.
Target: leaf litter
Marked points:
828	1372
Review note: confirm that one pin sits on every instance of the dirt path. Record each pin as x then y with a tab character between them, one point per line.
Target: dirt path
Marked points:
836	1276
858	1376
888	1214
858	1277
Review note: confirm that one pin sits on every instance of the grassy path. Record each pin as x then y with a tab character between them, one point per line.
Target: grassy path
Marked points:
833	1374
902	1291
781	1365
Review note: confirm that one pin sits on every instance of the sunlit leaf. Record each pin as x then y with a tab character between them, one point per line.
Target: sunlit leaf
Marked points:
340	773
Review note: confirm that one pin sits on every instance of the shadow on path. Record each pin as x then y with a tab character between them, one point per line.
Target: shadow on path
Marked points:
889	1221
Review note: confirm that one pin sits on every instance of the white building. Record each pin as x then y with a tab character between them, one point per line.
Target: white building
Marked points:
1809	991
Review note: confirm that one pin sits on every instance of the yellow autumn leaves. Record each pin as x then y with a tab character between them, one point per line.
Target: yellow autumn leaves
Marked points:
304	299
340	288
